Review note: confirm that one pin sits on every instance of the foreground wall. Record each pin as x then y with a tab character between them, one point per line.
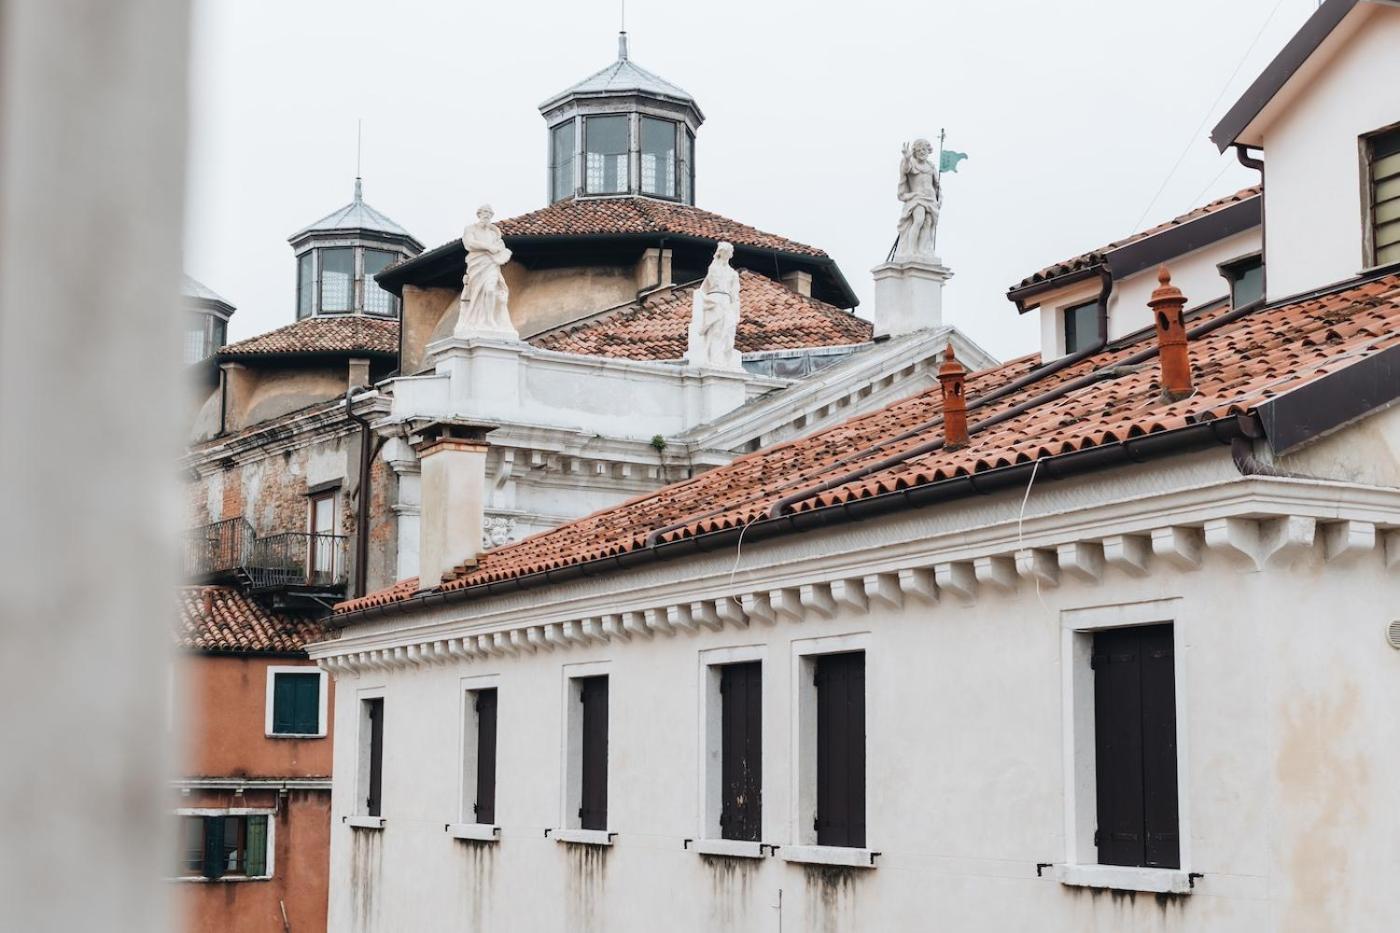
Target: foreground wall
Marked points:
1288	755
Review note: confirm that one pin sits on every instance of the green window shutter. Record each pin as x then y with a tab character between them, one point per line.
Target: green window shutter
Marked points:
257	846
213	846
283	703
308	706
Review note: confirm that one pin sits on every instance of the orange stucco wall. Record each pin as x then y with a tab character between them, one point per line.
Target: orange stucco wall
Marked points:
300	876
225	720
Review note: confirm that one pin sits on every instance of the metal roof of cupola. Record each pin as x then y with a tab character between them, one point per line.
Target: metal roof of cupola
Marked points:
622	131
339	256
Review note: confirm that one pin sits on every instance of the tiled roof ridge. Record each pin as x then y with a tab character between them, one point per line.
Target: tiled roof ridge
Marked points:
1238	362
1095	256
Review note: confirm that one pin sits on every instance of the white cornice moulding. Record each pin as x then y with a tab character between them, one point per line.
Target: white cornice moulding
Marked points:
1259	522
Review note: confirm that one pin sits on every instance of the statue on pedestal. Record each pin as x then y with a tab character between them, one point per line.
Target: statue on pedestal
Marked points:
714	316
484	306
921	197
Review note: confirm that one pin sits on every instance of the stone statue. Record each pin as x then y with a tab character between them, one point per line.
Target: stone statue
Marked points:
714	316
921	197
483	307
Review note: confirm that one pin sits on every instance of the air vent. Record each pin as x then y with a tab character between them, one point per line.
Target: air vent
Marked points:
1392	633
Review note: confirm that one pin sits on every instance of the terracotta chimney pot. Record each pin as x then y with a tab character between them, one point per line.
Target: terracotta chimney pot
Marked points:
1168	305
950	377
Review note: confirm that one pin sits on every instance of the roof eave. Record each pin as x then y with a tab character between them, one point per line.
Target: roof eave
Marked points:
1279	72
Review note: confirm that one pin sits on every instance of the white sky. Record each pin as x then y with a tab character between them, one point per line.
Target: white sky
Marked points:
1072	113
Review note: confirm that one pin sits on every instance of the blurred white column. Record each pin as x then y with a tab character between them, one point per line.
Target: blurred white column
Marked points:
92	149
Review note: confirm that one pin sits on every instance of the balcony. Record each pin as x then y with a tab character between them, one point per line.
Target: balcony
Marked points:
291	564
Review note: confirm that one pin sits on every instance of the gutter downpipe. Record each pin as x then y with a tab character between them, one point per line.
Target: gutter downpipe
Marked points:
1132	450
362	506
1256	163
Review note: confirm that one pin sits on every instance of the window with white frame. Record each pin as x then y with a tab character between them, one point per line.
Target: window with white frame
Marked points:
296	701
1125	805
479	705
226	845
830	731
370	771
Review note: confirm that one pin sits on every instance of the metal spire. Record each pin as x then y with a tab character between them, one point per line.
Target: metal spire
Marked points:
622	34
359	141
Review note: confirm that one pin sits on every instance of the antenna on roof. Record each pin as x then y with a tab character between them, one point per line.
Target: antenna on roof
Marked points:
622	34
359	147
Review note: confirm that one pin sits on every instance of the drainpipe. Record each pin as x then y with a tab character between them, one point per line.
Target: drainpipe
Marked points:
362	506
1249	161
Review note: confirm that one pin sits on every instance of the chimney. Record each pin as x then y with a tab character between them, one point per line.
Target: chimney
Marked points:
358	373
950	376
800	282
452	459
1167	306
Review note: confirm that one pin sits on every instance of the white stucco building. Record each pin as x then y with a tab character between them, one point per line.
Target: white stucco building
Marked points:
1100	640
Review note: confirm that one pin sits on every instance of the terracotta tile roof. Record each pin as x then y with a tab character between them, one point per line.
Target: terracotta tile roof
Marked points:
771	317
349	333
1236	366
223	618
594	216
1096	256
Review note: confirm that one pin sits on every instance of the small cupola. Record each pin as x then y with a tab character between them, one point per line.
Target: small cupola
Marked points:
206	320
339	255
620	131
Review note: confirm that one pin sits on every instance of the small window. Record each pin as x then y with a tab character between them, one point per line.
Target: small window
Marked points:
337	279
196	338
306	283
296	702
840	777
220	846
658	157
377	300
1135	747
606	141
741	751
591	765
220	331
1384	224
371	756
1246	278
685	167
479	766
322	542
1081	326
561	161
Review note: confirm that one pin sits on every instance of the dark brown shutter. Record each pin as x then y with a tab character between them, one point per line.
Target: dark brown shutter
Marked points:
593	813
485	808
741	750
1163	848
375	710
840	681
1135	747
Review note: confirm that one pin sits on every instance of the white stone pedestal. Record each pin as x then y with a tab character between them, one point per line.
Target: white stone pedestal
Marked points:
909	295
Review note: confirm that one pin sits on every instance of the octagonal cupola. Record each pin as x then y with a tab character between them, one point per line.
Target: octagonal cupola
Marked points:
620	131
339	255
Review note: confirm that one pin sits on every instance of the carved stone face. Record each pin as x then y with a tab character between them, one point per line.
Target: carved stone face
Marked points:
922	148
484	213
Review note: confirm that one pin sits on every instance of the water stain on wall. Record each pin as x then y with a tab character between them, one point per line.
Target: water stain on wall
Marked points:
1321	773
478	863
830	897
584	884
366	859
730	882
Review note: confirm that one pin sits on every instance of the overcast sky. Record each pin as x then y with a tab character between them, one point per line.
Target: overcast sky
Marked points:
1072	112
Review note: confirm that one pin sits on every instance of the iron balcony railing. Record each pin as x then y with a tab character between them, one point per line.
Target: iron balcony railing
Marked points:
219	548
230	548
298	558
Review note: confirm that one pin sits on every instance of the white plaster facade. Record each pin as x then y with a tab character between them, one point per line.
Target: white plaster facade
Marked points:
972	618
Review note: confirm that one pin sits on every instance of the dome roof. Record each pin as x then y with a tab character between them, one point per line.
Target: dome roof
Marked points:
357	215
622	77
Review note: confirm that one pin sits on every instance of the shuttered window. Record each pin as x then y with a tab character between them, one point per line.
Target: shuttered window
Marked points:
741	750
593	771
484	807
1385	197
374	714
840	682
222	846
1135	747
296	704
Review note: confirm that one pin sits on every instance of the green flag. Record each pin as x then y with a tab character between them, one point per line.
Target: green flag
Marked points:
948	160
